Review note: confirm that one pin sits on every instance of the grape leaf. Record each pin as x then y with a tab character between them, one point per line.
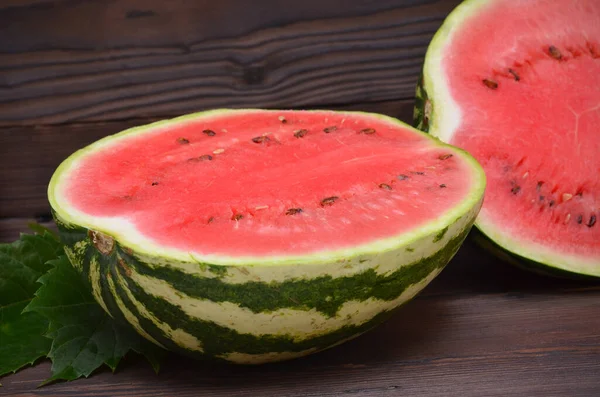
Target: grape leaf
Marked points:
83	336
22	339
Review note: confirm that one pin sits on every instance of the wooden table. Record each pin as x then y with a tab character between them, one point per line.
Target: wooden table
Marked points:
74	71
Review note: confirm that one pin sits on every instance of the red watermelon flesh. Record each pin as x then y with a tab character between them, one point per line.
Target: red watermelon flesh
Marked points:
526	76
270	182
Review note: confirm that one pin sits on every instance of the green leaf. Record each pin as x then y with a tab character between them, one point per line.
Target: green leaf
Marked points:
83	336
22	339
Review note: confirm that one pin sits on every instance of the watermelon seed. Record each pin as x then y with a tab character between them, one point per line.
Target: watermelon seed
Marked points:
385	186
567	218
554	52
329	201
525	175
566	197
218	151
183	141
417	173
209	132
542	198
261	207
516	189
368	131
330	129
211	219
445	156
154	183
300	133
491	84
592	221
551	203
514	74
579	219
237	217
204	157
402	177
293	211
261	139
282	119
443	185
539	185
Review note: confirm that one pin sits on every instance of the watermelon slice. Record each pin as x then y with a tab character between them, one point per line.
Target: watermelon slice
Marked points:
517	84
256	236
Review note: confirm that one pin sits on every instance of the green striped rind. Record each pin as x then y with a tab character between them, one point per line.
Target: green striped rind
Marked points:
524	263
423	107
437	113
257	321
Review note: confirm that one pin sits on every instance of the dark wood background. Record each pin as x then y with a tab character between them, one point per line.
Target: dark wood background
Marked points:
72	71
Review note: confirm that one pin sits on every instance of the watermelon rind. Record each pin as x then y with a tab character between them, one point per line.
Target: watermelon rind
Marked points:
253	310
437	113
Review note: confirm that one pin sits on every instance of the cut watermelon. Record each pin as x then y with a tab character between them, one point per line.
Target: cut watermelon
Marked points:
517	84
257	236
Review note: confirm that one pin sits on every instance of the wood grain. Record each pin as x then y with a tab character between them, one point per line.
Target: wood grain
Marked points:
481	329
71	60
31	154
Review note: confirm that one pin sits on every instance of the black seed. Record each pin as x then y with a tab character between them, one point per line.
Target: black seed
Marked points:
402	177
282	119
445	156
491	84
539	185
385	186
261	139
551	203
154	183
300	133
330	129
209	132
293	211
329	201
211	219
237	217
542	198
554	52
367	131
514	74
516	189
417	172
183	141
580	219
443	185
204	157
592	221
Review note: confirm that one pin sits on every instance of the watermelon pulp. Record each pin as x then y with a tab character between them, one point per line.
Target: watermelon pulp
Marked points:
521	92
250	184
255	236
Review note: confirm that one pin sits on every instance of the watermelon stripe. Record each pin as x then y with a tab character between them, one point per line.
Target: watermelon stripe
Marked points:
129	312
218	340
303	294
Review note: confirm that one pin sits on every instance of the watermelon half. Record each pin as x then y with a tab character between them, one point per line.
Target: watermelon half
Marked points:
256	236
517	84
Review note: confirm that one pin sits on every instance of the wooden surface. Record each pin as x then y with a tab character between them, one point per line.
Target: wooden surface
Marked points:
70	60
73	71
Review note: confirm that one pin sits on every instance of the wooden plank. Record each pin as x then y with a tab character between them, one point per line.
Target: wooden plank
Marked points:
31	154
71	60
466	335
